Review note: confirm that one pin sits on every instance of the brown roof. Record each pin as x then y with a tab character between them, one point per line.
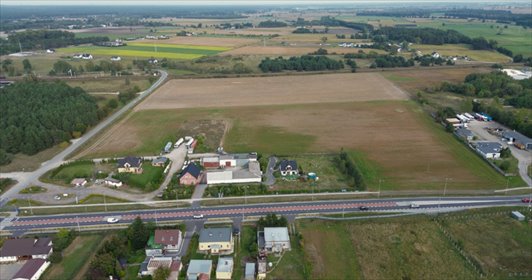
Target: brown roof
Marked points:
204	276
167	236
29	269
25	247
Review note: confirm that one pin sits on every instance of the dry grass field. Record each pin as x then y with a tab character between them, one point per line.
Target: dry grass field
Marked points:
287	50
233	92
206	41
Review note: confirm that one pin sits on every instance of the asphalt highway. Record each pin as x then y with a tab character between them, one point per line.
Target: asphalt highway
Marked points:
426	204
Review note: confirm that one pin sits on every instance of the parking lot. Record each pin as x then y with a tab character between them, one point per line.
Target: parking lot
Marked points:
7	271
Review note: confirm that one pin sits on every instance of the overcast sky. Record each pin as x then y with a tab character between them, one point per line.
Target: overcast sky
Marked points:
224	2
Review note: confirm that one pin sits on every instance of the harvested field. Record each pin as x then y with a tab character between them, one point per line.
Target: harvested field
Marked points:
280	90
206	41
280	50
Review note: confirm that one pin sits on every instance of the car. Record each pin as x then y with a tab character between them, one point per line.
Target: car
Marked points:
198	216
363	208
526	200
413	205
112	220
57	197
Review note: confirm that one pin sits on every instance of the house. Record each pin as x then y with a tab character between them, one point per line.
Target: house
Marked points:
151	264
489	149
199	269
50	51
25	248
169	239
78	55
115	58
274	239
464	133
130	165
435	55
153	61
191	175
32	269
224	269
288	168
210	162
159	161
249	273
86	56
78	182
261	269
112	182
251	173
518	139
216	241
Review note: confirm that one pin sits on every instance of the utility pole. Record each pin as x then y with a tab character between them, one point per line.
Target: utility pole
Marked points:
77	221
104	203
29	204
380	181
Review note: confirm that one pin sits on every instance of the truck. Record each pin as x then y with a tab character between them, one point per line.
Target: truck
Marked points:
469	116
179	142
168	147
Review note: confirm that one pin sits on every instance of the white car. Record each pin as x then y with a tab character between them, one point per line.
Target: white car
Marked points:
413	205
112	220
198	216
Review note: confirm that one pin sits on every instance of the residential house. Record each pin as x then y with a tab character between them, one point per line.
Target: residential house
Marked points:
86	56
110	181
50	51
199	269
130	165
464	133
224	269
251	173
169	239
518	139
216	241
32	269
115	58
159	161
191	175
288	168
249	273
78	182
274	239
25	248
489	149
151	264
435	55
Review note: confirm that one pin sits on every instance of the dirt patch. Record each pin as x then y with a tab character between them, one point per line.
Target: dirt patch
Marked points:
206	41
280	50
211	130
230	92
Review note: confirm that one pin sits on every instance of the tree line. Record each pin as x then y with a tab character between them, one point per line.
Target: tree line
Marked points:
347	166
272	23
37	115
500	16
62	67
300	63
431	36
43	39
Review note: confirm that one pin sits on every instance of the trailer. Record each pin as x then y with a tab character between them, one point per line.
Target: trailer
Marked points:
462	118
189	142
487	117
179	142
469	116
168	147
480	117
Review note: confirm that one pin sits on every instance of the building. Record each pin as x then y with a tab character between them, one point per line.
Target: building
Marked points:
518	216
288	168
32	269
518	139
435	55
249	273
516	74
130	165
150	265
25	248
86	56
261	269
112	182
50	51
210	162
191	175
115	58
489	149
78	182
159	161
169	239
224	269
274	239
249	174
464	133
216	241
199	269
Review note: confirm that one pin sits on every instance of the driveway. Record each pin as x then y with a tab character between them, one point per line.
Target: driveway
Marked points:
269	178
523	156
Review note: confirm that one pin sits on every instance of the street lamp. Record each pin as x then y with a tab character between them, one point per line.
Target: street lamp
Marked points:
444	191
246	194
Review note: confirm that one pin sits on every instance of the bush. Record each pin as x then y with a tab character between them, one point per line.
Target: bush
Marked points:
56	257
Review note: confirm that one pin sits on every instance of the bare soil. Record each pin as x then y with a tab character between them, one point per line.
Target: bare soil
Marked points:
231	92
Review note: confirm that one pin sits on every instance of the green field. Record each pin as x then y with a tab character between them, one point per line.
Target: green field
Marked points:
158	50
462	50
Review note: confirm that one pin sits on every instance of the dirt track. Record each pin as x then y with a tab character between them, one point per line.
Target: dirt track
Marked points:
231	92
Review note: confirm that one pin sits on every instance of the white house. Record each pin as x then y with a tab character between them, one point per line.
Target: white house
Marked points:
115	58
274	239
113	182
86	56
489	149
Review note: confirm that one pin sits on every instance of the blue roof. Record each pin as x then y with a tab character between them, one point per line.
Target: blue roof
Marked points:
193	170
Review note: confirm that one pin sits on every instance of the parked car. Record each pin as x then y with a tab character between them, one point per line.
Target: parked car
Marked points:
363	208
525	200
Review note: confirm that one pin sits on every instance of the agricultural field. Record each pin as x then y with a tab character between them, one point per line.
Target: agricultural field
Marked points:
143	50
462	50
291	50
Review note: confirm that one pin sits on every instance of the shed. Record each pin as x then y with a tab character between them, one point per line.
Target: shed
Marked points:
518	216
250	271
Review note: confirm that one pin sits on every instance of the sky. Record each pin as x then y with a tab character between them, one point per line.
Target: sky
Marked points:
224	2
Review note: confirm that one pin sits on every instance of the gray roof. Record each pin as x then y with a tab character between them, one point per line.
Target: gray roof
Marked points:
215	235
464	132
517	136
29	269
489	147
159	160
225	264
199	266
276	234
25	247
132	161
250	271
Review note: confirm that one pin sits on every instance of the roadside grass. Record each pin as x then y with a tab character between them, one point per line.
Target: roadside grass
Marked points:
22	162
328	247
293	264
74	257
110	84
462	50
33	189
6	184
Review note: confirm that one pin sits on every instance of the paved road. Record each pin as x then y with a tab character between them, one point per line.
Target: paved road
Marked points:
426	204
270	179
27	178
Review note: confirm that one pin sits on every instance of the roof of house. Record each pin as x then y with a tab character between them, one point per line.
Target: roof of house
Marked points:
112	180
215	235
489	147
288	163
78	181
225	264
156	262
276	234
250	271
159	160
464	132
167	236
29	269
517	136
193	170
25	247
132	161
199	266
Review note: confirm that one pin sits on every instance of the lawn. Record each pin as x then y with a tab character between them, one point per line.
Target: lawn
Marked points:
461	50
149	180
5	184
64	174
248	238
292	265
33	189
159	50
75	256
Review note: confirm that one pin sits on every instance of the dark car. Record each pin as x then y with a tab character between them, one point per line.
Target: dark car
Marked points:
525	200
363	208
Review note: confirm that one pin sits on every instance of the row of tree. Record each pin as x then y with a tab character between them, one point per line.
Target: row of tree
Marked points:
272	23
300	63
426	35
62	67
391	61
347	166
513	119
37	115
498	15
